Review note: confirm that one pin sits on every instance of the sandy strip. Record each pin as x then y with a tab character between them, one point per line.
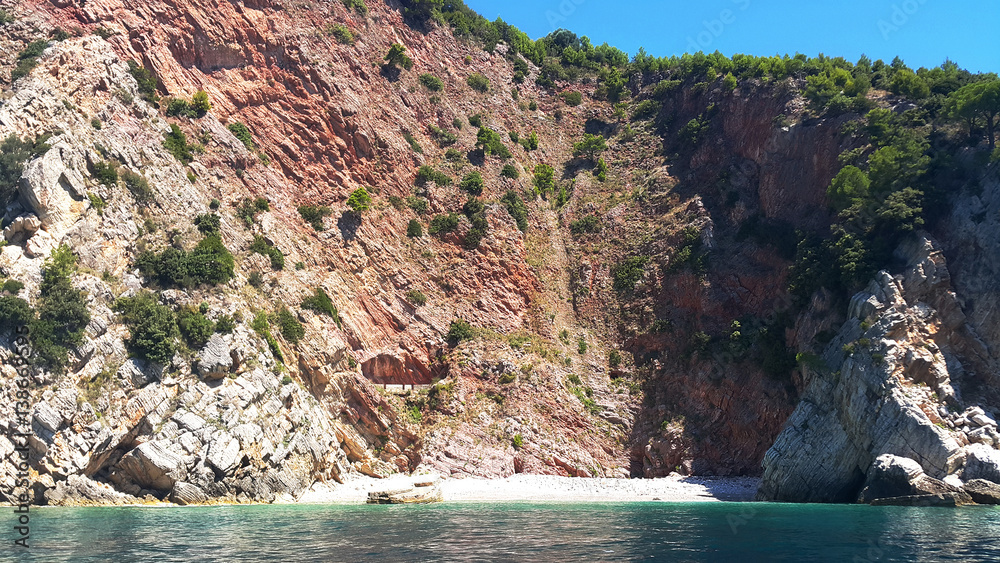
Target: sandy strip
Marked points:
547	488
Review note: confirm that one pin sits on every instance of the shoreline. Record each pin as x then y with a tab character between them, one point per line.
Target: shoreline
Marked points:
520	488
545	488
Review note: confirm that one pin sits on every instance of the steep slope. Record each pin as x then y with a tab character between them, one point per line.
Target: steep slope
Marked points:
627	316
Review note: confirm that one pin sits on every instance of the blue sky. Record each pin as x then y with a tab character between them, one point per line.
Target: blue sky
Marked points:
922	32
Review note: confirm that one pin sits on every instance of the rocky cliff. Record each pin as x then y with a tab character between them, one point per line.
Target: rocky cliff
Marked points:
570	364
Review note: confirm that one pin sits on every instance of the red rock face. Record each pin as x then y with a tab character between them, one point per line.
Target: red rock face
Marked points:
329	122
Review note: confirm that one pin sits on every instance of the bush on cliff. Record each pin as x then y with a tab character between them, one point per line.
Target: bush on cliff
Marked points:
152	327
62	312
14	153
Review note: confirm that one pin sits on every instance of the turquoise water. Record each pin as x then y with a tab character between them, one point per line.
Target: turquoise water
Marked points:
549	533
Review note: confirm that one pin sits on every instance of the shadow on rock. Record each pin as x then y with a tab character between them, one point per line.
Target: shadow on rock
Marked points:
348	224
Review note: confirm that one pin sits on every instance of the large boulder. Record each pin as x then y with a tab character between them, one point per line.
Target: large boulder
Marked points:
223	453
983	491
54	189
215	360
153	466
893	476
981	462
186	493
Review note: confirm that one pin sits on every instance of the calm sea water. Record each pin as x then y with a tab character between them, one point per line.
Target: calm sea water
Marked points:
549	533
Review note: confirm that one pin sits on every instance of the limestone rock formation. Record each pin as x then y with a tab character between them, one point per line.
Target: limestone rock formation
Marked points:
892	476
882	390
983	491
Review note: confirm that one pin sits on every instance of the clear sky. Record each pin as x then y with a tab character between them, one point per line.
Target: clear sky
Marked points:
922	32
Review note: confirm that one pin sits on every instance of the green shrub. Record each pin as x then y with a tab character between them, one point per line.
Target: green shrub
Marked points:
457	123
240	130
729	82
152	327
533	106
28	59
145	81
460	330
263	247
590	146
476	120
97	202
413	142
431	82
255	279
517	441
249	208
478	82
291	328
15	313
490	142
601	170
416	297
359	201
418	204
62	312
358	6
397	57
544	180
581	346
209	263
105	173
225	325
517	209
12	286
341	33
587	224
200	104
96	123
472	183
443	138
5	17
320	302
14	153
414	229
628	273
428	174
262	327
510	171
445	223
314	215
645	109
194	327
476	212
179	107
614	359
208	223
138	186
176	144
530	142
572	98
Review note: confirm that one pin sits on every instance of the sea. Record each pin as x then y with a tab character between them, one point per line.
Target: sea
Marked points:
548	533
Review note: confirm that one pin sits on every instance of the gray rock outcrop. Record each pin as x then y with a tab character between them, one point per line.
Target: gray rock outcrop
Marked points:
153	466
855	408
983	491
893	476
215	360
981	462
